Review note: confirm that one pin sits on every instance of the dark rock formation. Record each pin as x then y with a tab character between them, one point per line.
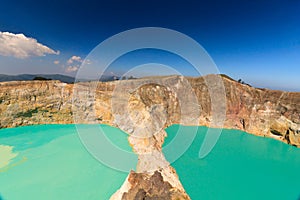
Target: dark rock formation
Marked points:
151	187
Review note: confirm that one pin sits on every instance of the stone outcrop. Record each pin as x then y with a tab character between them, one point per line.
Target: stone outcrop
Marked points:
151	187
261	112
143	112
144	107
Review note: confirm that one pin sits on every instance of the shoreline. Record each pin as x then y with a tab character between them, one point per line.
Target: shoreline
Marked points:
7	155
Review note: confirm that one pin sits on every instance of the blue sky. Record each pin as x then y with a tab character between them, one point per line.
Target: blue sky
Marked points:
257	41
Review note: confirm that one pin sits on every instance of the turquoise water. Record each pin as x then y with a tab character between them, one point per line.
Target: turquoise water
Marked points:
53	164
241	166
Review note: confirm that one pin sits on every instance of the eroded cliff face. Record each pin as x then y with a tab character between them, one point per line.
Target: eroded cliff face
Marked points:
144	107
34	102
261	112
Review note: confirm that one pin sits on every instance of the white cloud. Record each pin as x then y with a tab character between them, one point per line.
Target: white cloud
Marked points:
73	64
72	68
74	59
87	62
56	62
20	46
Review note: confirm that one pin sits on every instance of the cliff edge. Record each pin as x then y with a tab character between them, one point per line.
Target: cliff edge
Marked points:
144	107
262	112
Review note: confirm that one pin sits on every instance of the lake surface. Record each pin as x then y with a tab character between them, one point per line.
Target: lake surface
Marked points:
49	162
53	164
241	166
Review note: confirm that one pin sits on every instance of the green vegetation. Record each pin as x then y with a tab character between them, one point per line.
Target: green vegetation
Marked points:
225	76
39	78
27	113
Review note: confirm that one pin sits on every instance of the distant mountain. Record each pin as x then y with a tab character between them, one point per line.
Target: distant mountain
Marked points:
62	78
27	77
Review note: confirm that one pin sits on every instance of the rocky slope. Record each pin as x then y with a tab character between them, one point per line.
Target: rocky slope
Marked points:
258	111
150	187
144	107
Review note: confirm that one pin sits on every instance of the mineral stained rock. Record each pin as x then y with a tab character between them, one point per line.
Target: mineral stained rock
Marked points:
151	187
263	112
144	107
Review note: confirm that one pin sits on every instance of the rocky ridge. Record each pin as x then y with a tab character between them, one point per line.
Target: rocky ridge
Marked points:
144	107
262	112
